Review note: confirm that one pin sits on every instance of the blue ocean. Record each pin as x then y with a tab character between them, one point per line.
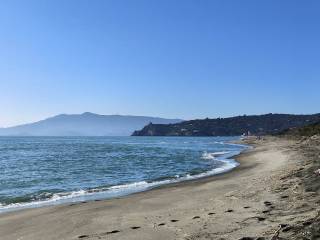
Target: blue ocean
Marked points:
39	171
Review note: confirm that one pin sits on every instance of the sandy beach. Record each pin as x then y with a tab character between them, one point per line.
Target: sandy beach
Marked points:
265	197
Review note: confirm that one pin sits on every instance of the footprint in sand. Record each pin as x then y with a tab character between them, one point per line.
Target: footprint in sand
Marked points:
135	227
307	223
211	213
161	224
246	207
174	220
229	210
195	217
267	203
251	238
98	235
83	236
287	228
260	219
112	232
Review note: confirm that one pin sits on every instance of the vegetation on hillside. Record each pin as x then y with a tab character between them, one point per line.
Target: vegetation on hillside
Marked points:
233	126
309	130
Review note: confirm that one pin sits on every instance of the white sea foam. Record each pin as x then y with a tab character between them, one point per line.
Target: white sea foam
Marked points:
212	155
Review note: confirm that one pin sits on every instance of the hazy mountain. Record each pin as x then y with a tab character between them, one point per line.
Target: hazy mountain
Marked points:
257	124
86	124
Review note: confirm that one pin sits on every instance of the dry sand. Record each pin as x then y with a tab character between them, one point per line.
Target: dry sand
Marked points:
250	201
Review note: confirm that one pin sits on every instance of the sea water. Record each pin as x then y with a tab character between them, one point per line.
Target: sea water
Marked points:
39	171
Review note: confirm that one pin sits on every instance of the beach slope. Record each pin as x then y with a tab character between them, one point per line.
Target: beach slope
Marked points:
253	200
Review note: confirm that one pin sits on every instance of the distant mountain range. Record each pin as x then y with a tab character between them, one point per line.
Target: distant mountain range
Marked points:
86	124
233	126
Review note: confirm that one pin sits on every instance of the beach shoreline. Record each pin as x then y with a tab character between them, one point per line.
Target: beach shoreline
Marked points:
243	202
130	188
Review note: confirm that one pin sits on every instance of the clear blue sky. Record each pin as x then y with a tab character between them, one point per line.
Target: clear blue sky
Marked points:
167	58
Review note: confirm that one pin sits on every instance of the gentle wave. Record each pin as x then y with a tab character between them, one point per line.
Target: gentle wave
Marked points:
211	156
125	189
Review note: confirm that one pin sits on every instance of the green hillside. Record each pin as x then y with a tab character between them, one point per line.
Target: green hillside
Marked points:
309	130
233	126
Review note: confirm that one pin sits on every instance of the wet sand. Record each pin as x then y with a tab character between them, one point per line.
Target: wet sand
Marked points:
263	197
